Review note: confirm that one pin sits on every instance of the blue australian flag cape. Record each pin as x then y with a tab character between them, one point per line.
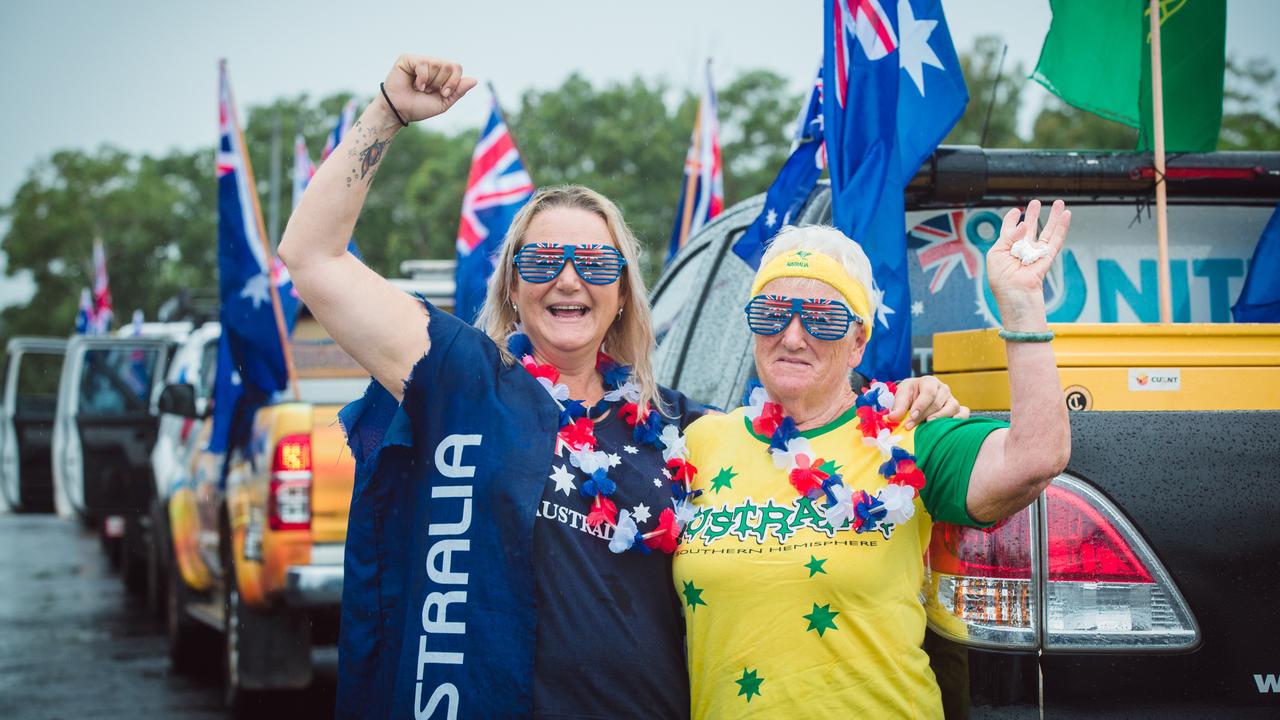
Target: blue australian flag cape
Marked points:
251	365
795	182
1259	300
893	90
437	599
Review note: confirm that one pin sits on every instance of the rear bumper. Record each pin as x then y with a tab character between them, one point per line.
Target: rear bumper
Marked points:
318	584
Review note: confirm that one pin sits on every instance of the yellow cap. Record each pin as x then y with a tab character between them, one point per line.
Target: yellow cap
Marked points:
818	266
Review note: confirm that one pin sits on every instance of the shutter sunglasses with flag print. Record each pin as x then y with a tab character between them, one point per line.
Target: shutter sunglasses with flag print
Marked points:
497	187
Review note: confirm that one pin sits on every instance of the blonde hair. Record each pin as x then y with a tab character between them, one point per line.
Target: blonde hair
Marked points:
629	339
832	243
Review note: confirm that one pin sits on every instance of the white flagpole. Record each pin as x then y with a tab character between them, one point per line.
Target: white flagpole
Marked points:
1162	204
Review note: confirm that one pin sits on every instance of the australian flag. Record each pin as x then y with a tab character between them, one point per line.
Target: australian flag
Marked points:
897	89
251	363
702	192
497	188
791	189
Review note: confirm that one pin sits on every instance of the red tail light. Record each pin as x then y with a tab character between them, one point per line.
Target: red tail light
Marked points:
1086	547
289	498
1105	589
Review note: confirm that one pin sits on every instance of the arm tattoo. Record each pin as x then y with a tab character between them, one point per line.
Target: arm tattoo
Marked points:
370	156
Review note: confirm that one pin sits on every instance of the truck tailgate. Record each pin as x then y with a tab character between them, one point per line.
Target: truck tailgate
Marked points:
333	470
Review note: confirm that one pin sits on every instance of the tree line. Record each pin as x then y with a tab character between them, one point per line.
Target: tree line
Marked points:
627	139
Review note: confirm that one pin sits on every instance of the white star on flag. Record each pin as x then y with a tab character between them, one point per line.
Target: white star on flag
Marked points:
641	513
914	51
657	483
883	311
629	449
917	308
563	479
257	290
771	218
614	460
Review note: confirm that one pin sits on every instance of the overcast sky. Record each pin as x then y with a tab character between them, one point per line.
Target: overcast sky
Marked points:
142	75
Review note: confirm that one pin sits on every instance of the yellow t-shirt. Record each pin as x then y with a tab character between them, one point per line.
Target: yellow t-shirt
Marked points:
787	618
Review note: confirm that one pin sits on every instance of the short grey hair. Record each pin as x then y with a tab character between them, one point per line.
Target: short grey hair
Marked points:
832	243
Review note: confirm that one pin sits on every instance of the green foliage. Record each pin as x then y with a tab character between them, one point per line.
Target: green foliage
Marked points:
984	75
1247	124
1062	126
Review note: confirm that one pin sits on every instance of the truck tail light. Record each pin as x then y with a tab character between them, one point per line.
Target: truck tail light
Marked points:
1102	586
289	498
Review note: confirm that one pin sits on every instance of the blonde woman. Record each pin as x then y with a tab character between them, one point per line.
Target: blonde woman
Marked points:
512	522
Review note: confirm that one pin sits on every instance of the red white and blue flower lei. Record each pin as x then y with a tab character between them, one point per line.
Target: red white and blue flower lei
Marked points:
816	478
577	432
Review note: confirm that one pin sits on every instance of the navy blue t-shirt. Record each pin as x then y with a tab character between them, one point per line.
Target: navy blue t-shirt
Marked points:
501	556
609	637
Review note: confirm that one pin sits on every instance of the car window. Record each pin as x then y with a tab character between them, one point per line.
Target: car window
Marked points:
208	370
116	382
38	376
330	391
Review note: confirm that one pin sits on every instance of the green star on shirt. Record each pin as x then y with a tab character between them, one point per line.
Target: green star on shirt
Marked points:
815	566
692	596
749	684
722	480
822	619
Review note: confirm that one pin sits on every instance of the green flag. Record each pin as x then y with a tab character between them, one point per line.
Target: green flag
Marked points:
1097	57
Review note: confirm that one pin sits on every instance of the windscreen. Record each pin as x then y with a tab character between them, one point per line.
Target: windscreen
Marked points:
116	382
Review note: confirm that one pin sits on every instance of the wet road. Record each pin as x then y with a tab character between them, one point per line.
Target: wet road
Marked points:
75	644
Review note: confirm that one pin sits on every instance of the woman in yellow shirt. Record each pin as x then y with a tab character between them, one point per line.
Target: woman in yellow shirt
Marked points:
801	564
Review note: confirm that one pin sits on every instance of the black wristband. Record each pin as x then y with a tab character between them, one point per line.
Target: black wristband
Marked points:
383	87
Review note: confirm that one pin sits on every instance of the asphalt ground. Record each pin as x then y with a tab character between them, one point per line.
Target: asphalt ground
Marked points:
75	644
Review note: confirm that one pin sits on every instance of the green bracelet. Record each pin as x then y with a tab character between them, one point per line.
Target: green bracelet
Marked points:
1026	337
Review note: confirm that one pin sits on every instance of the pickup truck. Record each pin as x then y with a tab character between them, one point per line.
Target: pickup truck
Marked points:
33	366
1144	582
257	555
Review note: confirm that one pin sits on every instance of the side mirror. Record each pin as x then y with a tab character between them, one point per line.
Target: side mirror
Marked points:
179	399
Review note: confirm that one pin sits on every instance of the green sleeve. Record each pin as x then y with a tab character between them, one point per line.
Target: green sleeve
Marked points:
946	450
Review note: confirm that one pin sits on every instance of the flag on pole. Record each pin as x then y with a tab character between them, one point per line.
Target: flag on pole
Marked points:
84	317
304	169
1097	57
497	187
898	90
702	192
346	119
1259	301
795	182
102	313
251	358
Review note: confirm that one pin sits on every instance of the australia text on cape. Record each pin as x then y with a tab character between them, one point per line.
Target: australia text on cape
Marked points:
435	608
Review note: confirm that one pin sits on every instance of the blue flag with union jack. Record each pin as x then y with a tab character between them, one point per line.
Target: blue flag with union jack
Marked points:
898	90
702	192
497	187
795	182
251	364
